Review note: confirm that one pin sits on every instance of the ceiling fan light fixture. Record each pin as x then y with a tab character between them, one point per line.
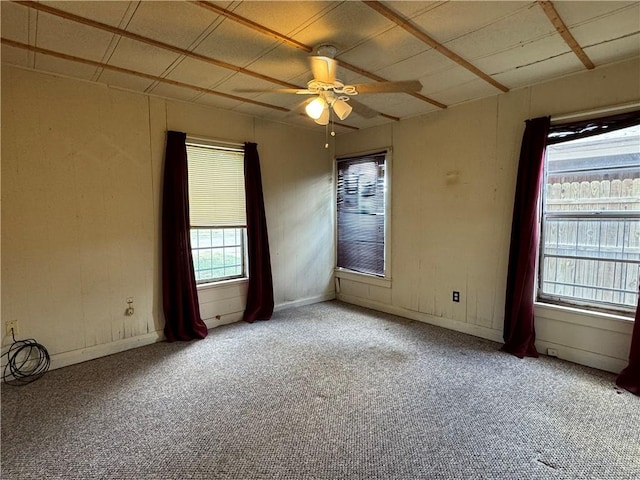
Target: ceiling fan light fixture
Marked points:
342	109
323	119
316	107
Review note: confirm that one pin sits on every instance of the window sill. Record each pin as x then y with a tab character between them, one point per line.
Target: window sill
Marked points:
588	318
222	283
362	278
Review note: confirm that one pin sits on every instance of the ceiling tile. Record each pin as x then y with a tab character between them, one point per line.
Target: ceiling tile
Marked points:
236	44
199	73
71	38
176	23
173	91
15	56
427	63
527	54
472	90
110	13
413	9
575	13
387	48
50	64
523	27
285	17
122	80
614	50
605	28
539	71
284	62
142	57
450	20
220	102
14	22
445	79
337	26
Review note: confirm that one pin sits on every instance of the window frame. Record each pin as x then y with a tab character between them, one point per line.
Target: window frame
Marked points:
243	245
244	275
594	306
349	274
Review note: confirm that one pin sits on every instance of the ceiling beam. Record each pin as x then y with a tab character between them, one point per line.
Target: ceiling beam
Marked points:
149	41
417	32
563	30
307	48
106	66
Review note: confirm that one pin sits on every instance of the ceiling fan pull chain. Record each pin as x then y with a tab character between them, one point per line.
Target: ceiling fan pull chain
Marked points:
326	135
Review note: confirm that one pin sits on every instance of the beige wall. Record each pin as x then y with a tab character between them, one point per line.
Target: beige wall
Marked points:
81	189
81	179
452	188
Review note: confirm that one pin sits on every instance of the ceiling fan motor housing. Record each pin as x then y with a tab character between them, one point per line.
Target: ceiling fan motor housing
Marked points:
326	51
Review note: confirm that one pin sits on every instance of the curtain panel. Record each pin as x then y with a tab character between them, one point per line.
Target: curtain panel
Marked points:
260	289
179	293
519	331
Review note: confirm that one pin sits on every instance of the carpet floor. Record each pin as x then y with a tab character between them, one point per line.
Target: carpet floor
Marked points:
326	391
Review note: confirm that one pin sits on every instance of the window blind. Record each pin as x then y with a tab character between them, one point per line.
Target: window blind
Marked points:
361	213
216	186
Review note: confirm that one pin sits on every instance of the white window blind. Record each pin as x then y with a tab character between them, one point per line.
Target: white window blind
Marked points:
216	186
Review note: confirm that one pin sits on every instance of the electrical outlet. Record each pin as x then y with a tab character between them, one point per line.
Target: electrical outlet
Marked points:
129	311
552	352
11	325
456	296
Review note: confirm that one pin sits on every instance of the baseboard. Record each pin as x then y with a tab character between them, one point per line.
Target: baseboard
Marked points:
582	357
305	301
65	359
574	355
224	320
468	328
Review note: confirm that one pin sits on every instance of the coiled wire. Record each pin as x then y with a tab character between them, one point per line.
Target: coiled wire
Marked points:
27	361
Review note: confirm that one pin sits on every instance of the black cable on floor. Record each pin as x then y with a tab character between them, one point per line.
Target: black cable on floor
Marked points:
27	361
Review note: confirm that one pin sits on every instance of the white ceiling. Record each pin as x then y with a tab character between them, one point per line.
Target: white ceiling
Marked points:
180	47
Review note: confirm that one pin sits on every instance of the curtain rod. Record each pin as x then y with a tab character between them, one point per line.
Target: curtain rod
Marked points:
596	112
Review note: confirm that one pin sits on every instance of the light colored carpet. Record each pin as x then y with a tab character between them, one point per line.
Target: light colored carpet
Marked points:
328	391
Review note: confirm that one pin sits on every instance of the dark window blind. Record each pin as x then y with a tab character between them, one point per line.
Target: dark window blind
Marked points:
361	213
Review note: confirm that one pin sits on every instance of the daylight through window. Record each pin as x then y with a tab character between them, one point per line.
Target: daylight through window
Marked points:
590	244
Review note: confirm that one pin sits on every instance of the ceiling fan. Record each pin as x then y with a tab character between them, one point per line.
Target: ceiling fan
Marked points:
331	95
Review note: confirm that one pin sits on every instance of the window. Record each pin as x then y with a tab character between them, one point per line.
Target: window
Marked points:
362	206
217	211
590	245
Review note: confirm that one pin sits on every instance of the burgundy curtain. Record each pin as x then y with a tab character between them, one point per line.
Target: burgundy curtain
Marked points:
629	378
260	291
179	294
519	331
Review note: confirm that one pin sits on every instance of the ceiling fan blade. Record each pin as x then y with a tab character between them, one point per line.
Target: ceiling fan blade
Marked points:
362	109
323	69
388	87
278	90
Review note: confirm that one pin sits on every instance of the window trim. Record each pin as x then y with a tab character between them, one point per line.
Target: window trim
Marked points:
346	273
559	301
